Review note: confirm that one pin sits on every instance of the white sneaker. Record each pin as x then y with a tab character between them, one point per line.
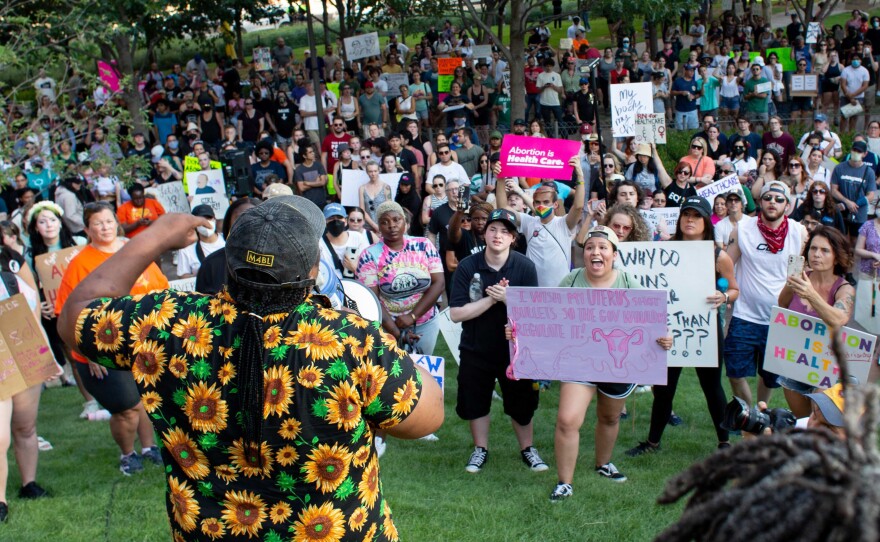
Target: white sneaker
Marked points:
643	389
89	407
430	438
380	446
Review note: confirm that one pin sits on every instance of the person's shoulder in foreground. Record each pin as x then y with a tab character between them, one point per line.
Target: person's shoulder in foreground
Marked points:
266	398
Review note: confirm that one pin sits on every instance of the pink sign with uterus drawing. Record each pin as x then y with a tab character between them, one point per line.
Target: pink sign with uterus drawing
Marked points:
587	334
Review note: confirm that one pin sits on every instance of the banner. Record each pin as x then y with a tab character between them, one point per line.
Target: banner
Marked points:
722	186
451	332
686	270
627	101
867	310
588	334
183	285
799	347
523	156
813	32
109	75
218	202
353	179
262	59
651	128
171	196
433	365
205	182
25	357
394	81
51	267
362	46
446	66
444	82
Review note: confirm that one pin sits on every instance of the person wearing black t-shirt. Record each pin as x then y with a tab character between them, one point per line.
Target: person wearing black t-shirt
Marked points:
465	242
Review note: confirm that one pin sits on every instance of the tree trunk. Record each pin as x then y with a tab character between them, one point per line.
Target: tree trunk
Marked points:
343	31
239	41
501	6
652	39
325	19
125	65
517	63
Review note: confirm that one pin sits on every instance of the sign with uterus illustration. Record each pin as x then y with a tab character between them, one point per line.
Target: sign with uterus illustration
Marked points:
587	334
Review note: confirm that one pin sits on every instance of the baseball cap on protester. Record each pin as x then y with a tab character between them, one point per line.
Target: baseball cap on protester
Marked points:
156	153
820	117
204	211
733	194
280	239
505	216
277	189
860	146
831	403
605	233
519	122
698	204
495	135
334	209
405	178
776	186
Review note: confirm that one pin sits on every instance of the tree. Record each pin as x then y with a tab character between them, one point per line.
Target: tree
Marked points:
216	12
654	12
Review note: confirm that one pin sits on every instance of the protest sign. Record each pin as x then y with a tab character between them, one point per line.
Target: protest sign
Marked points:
813	32
482	52
205	182
171	196
867	311
433	365
799	347
353	179
588	334
627	101
51	267
451	332
726	5
722	186
686	270
764	88
218	202
523	156
183	285
191	163
334	88
446	66
651	128
582	66
109	75
783	54
565	43
394	81
444	82
25	357
262	59
362	46
804	85
667	215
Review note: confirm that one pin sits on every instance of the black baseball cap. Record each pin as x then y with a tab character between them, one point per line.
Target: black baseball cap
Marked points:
505	216
519	122
279	238
700	205
203	210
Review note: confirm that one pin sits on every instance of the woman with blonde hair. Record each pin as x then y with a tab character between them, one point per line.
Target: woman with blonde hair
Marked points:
702	166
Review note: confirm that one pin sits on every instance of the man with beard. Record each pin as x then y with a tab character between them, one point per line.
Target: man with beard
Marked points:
466	241
519	127
760	248
330	145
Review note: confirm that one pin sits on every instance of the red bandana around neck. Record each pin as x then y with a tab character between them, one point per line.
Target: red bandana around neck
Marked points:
775	238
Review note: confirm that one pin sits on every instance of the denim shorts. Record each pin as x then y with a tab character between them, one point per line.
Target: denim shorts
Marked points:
744	351
730	103
794	385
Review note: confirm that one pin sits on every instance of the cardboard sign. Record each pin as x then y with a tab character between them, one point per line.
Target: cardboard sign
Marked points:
25	356
218	202
651	128
565	43
51	268
482	51
191	163
804	85
588	334
262	59
171	196
446	66
362	46
523	156
627	101
813	32
433	365
109	75
451	332
799	347
686	270
353	179
394	81
205	182
867	310
444	82
722	186
183	285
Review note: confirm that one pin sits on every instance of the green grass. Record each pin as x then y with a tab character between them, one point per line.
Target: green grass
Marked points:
433	498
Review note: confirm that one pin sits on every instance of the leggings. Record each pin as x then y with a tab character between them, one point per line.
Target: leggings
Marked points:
710	381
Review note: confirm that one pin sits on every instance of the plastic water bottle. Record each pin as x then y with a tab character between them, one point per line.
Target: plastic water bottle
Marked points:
475	291
722	308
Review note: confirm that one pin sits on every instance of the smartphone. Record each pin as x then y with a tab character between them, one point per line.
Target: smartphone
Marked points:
795	265
464	197
350	254
594	204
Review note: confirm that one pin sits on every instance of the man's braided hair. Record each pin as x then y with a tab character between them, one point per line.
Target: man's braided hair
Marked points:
802	485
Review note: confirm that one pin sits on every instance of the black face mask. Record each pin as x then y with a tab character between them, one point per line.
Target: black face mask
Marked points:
336	227
738	150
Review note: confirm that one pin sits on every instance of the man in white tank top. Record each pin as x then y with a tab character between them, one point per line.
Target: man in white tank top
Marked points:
760	248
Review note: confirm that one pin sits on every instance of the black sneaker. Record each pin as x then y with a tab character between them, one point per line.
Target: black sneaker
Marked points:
675	420
643	448
4	512
532	460
608	470
561	492
477	460
130	464
153	456
723	445
32	491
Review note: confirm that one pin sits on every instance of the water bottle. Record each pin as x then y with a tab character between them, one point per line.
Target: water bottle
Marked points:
475	291
722	308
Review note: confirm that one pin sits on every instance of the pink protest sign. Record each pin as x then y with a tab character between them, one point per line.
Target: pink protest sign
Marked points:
109	75
588	334
523	156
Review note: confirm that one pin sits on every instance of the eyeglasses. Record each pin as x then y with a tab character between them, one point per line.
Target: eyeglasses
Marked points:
696	146
248	103
608	166
684	172
777	199
794	165
818	191
438	185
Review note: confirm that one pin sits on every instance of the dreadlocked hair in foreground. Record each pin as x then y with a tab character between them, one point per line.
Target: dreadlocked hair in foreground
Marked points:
803	485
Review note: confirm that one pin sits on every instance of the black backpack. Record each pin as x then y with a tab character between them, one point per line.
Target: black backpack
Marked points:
10	282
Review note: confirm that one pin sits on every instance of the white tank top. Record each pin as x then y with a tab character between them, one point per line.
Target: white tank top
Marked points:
346	109
760	273
729	90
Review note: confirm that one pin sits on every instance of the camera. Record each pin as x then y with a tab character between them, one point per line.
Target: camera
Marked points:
739	417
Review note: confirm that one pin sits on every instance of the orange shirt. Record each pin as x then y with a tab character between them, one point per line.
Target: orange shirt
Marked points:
129	214
89	259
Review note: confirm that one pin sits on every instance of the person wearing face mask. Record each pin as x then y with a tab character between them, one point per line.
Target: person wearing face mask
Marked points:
340	246
190	259
854	184
854	79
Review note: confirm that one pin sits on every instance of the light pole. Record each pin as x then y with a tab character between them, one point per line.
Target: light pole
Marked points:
316	77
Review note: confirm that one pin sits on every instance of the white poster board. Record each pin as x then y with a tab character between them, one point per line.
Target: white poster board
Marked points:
799	347
565	44
451	332
686	270
722	186
353	179
813	32
183	285
804	85
763	88
867	311
362	46
666	215
394	81
433	365
218	202
726	5
171	196
651	128
209	181
482	51
627	101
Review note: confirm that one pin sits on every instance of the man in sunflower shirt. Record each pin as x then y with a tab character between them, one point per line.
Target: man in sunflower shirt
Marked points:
265	398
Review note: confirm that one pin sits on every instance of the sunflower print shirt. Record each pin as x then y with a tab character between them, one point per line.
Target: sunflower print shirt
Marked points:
330	379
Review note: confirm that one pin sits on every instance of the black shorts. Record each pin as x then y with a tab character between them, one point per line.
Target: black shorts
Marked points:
116	392
476	382
613	390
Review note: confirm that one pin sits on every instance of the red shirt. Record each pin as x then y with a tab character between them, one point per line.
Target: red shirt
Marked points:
331	142
532	74
617	76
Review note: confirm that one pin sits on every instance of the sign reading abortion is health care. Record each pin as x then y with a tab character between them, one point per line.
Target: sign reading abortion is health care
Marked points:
523	156
799	347
588	334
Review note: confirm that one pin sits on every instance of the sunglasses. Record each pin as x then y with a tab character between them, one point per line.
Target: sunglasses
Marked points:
777	199
818	191
739	148
684	172
696	146
355	220
609	166
248	103
727	171
439	185
443	153
338	125
794	165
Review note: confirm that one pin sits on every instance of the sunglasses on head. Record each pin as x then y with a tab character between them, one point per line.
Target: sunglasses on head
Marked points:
777	199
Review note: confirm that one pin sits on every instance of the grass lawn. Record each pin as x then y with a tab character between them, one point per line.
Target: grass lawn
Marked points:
432	496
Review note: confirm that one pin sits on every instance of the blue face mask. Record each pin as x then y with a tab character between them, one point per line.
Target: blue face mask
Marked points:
173	145
856	63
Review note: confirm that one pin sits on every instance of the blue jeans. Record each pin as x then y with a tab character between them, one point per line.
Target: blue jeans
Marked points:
532	99
686	120
547	110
